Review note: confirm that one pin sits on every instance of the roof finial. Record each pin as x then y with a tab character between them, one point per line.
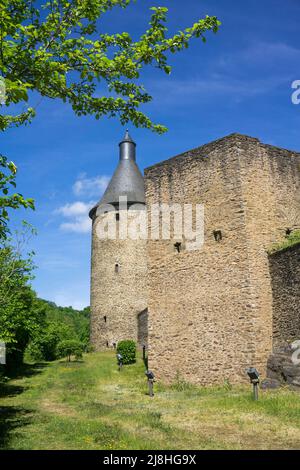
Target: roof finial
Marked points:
127	137
127	147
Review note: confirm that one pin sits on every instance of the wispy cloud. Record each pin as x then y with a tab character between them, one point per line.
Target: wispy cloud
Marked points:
95	186
216	85
257	69
74	297
262	54
78	210
80	225
57	262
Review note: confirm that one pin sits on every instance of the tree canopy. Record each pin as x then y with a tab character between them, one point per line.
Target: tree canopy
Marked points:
9	198
58	49
18	317
57	325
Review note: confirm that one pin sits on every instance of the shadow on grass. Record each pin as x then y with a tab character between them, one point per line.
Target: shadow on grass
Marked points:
11	418
7	390
71	364
25	370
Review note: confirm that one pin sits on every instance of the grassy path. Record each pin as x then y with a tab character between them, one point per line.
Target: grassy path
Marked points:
90	405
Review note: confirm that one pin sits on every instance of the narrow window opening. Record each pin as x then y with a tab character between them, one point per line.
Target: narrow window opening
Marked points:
177	246
105	318
117	216
117	267
217	235
107	345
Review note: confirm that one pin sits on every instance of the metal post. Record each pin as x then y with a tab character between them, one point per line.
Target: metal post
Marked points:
120	366
253	375
255	391
150	384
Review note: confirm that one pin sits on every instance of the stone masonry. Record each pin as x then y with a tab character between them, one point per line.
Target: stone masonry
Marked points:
118	295
119	265
285	274
210	311
208	314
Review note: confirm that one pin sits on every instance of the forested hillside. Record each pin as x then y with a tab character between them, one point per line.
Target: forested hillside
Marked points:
56	325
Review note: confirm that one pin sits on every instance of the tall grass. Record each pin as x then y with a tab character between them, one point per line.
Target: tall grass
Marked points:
91	405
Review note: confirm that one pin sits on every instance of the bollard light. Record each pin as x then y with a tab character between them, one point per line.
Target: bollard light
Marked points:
151	378
120	360
253	375
150	375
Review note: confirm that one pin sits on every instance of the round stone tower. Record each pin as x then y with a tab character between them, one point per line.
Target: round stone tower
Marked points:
118	264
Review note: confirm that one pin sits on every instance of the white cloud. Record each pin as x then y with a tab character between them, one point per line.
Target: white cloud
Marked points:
90	186
77	208
80	225
79	211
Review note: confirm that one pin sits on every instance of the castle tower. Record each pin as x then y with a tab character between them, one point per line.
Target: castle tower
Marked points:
212	313
118	265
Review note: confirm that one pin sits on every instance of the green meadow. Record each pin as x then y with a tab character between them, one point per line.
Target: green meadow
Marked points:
91	405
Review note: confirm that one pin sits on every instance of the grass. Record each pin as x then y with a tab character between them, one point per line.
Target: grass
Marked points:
291	240
90	405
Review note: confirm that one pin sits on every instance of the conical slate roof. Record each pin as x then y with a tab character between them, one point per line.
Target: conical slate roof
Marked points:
127	179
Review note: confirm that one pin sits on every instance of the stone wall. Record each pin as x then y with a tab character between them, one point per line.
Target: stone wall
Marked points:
118	288
271	190
285	273
210	311
143	328
283	366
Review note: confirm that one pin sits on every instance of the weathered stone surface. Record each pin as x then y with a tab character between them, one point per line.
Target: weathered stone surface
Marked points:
142	333
215	311
285	273
296	383
270	384
210	311
282	368
118	289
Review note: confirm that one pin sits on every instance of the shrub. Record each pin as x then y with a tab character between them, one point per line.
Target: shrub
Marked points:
70	347
128	350
89	348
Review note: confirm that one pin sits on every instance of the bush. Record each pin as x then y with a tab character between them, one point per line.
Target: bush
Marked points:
43	347
128	350
89	348
70	347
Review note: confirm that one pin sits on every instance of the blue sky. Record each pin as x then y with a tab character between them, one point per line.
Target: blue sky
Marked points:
239	81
